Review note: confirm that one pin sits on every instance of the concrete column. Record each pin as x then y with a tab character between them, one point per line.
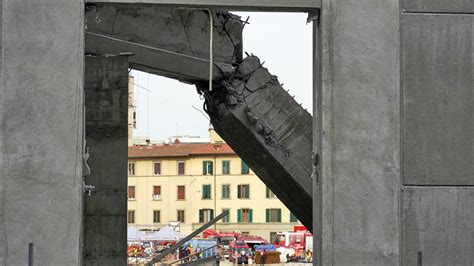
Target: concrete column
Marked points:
41	131
105	220
360	132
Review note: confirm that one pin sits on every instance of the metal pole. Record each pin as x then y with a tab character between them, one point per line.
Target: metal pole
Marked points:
189	237
30	254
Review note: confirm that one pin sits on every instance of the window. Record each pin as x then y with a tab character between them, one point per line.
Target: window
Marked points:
181	193
205	215
131	217
273	215
207	168
156	217
131	192
226	191
293	218
245	168
226	219
131	168
225	167
270	194
180	216
181	168
244	215
206	191
157	168
156	192
273	236
243	191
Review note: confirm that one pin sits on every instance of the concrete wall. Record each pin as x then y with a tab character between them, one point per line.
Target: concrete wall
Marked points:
105	211
360	132
437	132
41	110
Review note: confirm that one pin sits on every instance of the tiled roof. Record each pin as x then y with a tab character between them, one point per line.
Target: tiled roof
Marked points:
179	150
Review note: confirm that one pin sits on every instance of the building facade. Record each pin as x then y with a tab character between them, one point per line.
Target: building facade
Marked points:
191	183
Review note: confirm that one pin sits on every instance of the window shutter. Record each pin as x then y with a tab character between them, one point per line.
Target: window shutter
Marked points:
157	170
239	192
212	214
267	215
211	168
250	215
239	215
201	216
279	215
204	164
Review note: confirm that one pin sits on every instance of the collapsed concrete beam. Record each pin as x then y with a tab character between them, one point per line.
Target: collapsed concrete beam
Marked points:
268	129
166	41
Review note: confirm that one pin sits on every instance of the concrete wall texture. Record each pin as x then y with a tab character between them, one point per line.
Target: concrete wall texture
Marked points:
397	123
105	211
41	114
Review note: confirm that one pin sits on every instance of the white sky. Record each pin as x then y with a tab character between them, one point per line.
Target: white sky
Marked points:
282	40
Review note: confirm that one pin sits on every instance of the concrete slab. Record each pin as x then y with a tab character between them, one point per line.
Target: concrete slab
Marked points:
438	6
438	225
105	211
438	110
182	31
41	121
360	132
241	5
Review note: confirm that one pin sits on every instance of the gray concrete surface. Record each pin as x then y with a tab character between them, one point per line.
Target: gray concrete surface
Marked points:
438	6
360	132
166	40
105	211
41	116
438	109
241	5
182	31
268	129
438	222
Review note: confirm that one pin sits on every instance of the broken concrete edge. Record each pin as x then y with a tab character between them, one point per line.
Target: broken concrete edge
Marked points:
228	96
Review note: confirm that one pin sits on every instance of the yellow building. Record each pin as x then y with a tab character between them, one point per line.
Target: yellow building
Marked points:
192	183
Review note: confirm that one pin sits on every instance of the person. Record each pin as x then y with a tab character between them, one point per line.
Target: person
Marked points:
217	259
244	257
198	252
309	256
263	257
190	252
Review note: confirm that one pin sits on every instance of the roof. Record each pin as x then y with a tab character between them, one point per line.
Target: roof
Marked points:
179	150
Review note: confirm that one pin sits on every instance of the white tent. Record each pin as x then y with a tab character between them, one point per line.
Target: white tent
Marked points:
133	234
165	234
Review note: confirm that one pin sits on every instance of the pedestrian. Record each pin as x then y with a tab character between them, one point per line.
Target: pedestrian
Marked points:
217	260
244	258
263	257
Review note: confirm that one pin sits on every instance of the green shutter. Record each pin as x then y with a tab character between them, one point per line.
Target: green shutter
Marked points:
239	215
239	193
204	167
244	168
293	218
250	215
201	216
212	214
211	165
279	215
267	215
